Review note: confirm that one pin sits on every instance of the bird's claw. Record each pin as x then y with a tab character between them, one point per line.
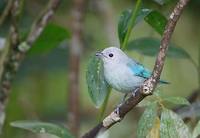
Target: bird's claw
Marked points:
134	92
117	110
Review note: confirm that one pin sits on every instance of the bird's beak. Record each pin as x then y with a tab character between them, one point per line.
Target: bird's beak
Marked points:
99	54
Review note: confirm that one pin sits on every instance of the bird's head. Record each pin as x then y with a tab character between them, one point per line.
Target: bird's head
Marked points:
112	55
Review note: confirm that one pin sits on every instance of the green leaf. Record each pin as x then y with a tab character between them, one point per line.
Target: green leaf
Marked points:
49	39
157	21
196	131
124	21
123	24
172	126
150	46
147	121
97	86
41	127
177	100
155	130
147	102
142	14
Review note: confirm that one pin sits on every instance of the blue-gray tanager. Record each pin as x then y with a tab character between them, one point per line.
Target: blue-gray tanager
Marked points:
121	72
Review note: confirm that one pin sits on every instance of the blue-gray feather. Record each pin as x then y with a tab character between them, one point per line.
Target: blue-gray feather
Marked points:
139	70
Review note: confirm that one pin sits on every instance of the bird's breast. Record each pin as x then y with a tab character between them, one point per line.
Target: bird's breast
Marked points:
121	78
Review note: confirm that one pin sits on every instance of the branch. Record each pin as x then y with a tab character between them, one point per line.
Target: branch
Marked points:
17	51
15	13
150	84
41	22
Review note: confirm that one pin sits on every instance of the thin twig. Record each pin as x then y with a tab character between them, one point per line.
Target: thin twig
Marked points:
41	22
199	66
150	84
14	33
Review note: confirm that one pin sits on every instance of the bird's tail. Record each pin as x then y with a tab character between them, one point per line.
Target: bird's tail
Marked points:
164	82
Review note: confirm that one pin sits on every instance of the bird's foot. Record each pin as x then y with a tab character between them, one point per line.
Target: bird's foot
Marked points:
134	92
122	102
124	98
117	109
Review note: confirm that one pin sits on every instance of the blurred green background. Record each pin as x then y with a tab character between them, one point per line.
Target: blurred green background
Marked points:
40	89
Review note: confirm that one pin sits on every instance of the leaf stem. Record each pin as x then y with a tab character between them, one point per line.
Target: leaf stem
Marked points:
194	64
160	101
197	66
198	69
104	105
131	22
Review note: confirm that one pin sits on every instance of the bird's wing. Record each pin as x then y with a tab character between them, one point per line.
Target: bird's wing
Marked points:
138	69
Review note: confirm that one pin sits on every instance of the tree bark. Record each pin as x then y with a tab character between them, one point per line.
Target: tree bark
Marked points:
76	46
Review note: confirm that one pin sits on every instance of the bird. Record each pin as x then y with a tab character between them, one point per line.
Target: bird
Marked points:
121	72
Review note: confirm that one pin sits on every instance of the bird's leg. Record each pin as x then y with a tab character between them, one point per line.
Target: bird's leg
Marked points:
124	98
134	91
122	101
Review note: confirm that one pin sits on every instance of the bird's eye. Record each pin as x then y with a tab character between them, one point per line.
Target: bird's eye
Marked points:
110	55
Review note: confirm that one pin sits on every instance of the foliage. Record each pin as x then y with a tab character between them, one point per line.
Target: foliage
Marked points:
177	100
157	21
147	120
125	19
41	127
97	86
196	131
50	38
172	126
149	46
